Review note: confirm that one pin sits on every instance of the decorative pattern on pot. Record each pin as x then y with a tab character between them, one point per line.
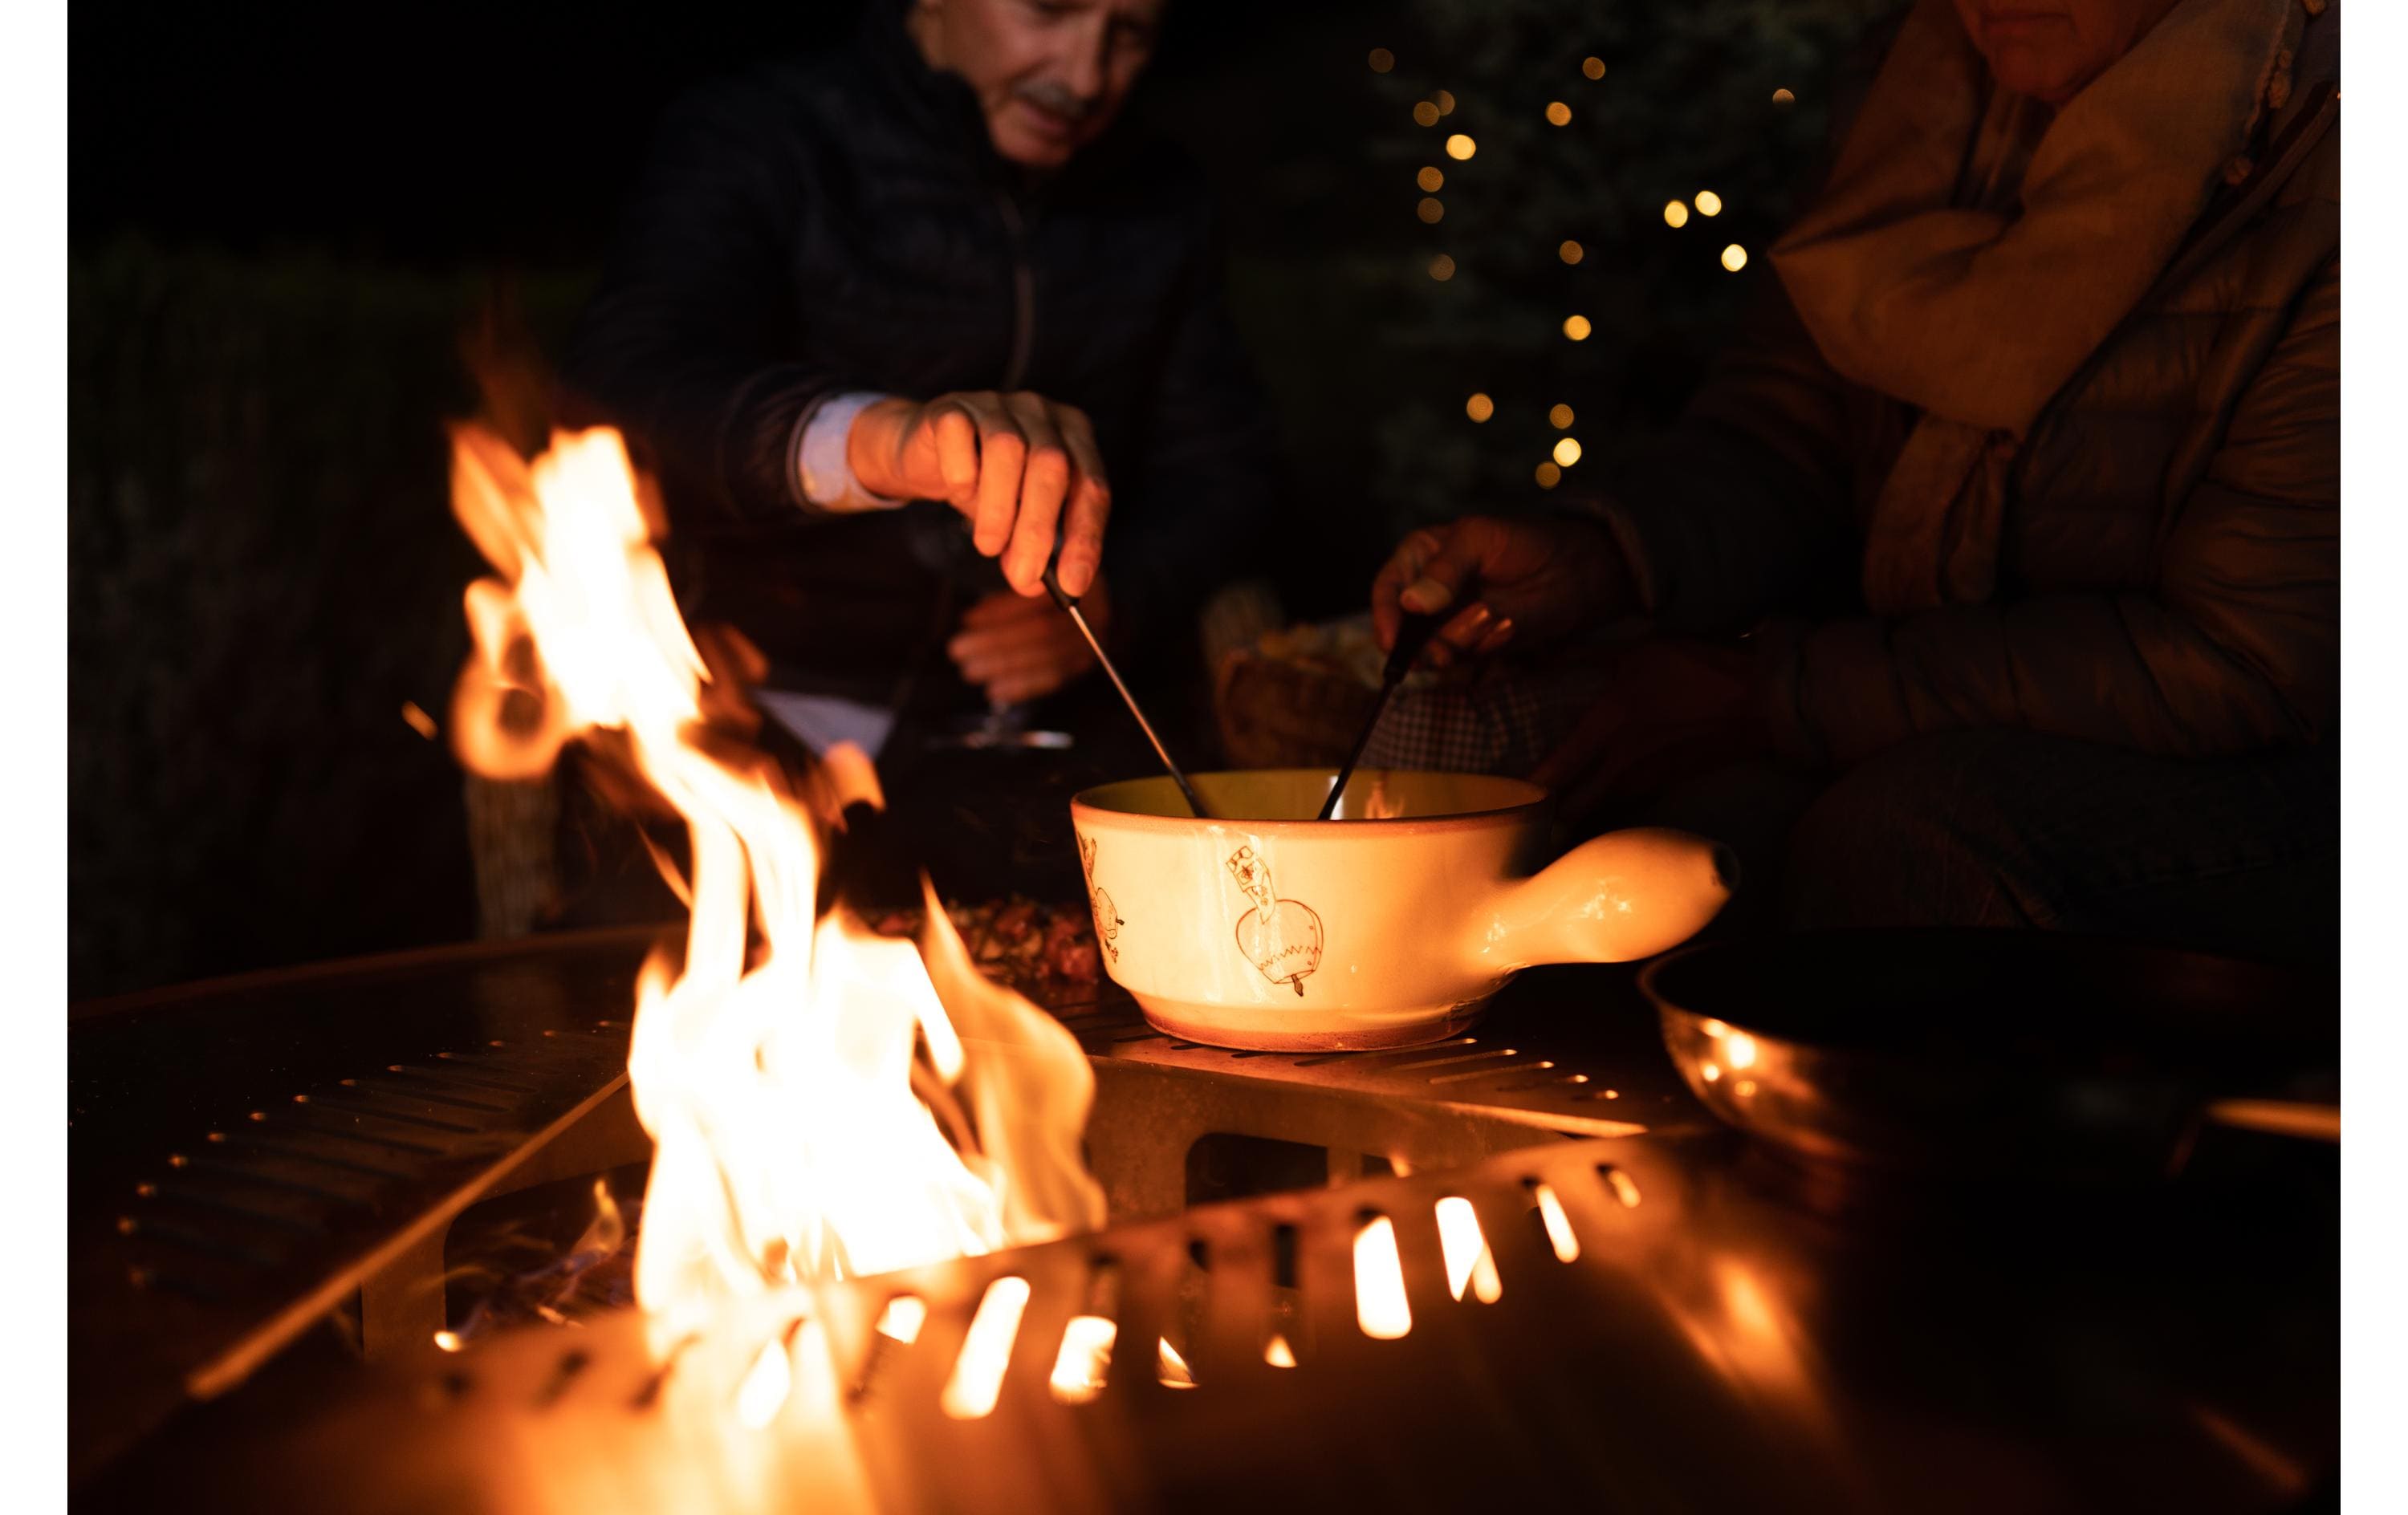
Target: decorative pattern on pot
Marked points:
1279	936
1107	920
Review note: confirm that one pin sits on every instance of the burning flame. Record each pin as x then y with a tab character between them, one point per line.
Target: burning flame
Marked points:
824	1102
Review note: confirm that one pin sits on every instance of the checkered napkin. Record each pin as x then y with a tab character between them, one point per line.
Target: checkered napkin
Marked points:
1504	719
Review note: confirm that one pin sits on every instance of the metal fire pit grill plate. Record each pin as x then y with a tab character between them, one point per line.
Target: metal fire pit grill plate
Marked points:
1706	1348
2192	1342
250	1153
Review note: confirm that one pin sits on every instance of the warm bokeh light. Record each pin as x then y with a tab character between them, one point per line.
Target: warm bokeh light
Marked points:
1569	250
1675	214
1549	476
1460	147
1441	268
1276	1352
1560	416
1709	203
1383	59
1480	407
1734	257
1431	181
1558	113
1593	68
419	720
1576	327
1783	97
1567	451
1424	113
1444	102
1429	210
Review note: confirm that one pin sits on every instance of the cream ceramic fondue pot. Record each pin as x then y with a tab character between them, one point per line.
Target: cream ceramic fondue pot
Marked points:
1391	924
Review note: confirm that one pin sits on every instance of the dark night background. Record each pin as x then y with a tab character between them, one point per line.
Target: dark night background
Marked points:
283	224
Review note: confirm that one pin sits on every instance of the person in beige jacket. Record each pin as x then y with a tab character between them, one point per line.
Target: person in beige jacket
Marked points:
1993	577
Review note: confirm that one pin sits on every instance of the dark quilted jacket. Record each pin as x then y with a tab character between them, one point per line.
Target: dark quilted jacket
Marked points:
842	223
2170	575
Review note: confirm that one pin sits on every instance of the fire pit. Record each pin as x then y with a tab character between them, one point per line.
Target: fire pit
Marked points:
912	1241
1674	1322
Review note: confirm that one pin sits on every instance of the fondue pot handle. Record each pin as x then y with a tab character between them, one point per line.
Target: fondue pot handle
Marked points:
1625	895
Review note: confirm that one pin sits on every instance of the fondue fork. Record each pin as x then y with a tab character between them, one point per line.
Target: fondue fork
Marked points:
1070	605
1412	634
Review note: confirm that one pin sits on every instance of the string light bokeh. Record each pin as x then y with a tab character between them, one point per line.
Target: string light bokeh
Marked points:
1576	145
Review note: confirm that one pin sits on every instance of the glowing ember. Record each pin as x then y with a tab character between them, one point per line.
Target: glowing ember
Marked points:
824	1102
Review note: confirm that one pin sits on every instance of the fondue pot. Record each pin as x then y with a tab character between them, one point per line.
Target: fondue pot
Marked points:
1391	924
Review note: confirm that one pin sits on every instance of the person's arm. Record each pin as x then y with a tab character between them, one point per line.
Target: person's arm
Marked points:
2238	647
1203	483
1736	511
693	344
697	348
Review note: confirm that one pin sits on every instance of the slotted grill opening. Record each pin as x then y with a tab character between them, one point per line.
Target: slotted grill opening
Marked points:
1084	1363
1554	1225
1381	1307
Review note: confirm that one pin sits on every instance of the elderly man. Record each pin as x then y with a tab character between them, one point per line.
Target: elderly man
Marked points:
2023	493
890	323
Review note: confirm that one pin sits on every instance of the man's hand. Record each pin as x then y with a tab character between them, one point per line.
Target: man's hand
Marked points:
1675	707
1528	581
1019	465
1022	649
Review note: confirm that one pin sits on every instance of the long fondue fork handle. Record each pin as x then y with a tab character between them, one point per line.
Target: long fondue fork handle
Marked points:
1070	604
1413	634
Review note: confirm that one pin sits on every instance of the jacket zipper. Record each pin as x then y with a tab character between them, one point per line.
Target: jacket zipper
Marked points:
1023	294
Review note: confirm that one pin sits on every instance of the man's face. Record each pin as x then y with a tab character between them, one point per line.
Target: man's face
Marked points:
2050	49
1050	74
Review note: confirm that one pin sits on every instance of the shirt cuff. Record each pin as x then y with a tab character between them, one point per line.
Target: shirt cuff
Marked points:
824	479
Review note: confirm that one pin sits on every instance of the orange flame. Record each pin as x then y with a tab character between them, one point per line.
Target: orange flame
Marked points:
824	1102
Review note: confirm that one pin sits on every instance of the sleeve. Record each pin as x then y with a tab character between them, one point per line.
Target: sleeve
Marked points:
822	460
1743	505
689	344
2238	647
1203	492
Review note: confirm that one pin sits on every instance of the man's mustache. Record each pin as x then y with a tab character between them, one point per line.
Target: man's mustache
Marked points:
1047	95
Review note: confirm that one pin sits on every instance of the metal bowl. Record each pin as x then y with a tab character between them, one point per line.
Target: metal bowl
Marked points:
1984	1053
